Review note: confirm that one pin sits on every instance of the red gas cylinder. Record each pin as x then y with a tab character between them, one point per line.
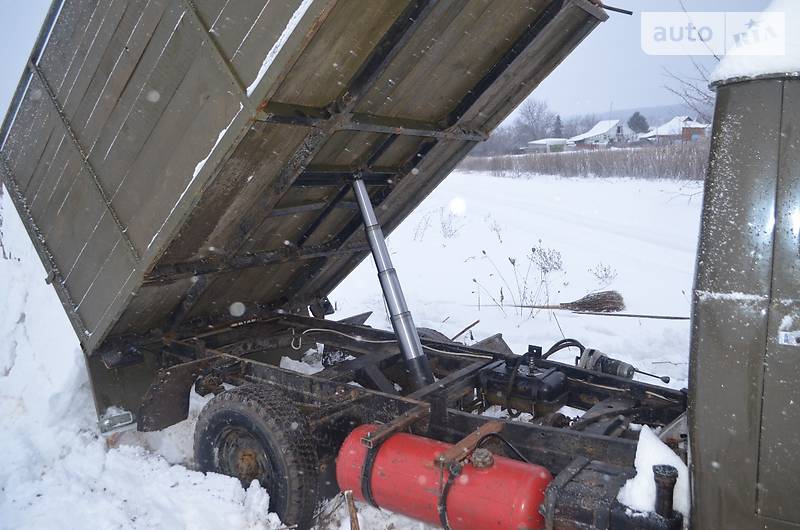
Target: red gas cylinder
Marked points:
504	495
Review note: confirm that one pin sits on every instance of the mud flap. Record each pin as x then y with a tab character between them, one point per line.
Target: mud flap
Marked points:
167	400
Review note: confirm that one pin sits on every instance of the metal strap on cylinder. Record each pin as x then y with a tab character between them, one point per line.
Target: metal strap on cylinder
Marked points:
366	474
548	507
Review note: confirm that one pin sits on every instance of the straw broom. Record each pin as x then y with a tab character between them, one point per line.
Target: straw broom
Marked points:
601	302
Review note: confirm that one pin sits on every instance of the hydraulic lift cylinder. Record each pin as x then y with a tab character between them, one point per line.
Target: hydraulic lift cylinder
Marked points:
403	324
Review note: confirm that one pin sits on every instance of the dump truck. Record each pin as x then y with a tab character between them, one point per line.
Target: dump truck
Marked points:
197	176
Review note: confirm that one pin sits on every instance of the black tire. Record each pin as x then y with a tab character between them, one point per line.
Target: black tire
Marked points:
254	432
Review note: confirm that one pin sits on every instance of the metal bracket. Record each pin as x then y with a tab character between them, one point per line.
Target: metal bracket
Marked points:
789	338
321	307
400	423
115	420
464	448
128	355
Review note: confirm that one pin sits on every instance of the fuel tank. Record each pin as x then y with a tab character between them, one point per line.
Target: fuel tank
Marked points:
494	493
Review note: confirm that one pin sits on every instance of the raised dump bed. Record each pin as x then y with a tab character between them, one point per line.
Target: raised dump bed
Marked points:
172	158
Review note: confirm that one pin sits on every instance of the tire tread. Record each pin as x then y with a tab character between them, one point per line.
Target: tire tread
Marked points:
275	412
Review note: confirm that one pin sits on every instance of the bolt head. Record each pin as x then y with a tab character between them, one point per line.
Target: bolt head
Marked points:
482	458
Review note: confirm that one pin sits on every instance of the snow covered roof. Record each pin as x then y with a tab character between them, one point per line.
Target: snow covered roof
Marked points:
601	128
548	141
752	59
674	127
692	124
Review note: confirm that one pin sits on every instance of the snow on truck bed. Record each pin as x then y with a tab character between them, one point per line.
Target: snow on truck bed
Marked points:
56	471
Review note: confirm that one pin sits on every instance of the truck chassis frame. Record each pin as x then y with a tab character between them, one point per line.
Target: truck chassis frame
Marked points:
590	462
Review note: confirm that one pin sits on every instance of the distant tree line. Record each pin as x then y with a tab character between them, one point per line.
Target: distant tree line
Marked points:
535	121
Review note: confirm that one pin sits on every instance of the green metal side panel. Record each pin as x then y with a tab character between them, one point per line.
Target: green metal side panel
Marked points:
744	395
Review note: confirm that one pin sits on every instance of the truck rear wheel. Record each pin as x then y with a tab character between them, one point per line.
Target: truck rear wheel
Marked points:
254	432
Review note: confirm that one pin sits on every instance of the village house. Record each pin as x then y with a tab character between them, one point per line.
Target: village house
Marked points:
678	129
547	145
604	134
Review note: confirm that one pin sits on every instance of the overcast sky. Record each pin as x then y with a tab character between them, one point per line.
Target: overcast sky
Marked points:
19	26
608	68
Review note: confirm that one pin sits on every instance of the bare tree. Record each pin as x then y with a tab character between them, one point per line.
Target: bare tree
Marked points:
535	119
579	124
694	91
503	140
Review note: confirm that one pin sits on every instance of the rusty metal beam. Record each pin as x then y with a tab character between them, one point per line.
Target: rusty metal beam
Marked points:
286	114
314	179
326	211
367	167
314	206
387	49
171	273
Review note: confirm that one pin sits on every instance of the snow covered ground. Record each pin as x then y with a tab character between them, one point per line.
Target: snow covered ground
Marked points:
454	255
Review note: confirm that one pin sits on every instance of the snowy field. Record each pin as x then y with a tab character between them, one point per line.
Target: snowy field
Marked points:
454	254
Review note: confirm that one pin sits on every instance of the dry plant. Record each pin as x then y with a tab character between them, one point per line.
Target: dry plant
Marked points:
448	223
531	282
683	161
604	274
422	227
494	227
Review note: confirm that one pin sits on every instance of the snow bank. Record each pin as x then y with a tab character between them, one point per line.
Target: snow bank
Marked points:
301	366
90	487
56	471
639	493
748	63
